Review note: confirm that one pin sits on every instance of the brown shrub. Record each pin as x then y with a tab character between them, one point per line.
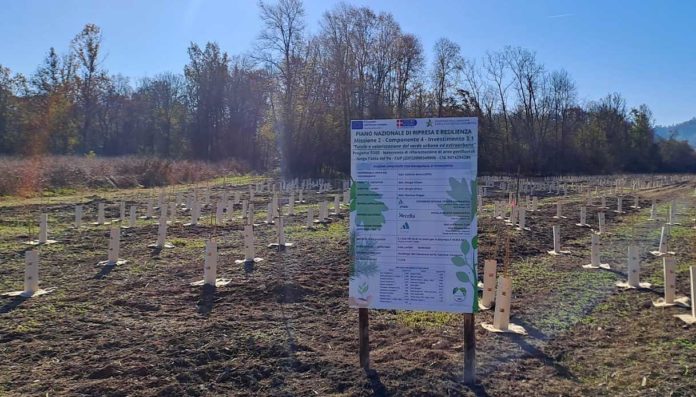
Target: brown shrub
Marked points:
29	176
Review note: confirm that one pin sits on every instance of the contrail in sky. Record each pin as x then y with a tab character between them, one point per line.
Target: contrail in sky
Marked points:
560	16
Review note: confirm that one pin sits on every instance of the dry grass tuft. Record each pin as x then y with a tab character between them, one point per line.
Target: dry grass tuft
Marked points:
29	176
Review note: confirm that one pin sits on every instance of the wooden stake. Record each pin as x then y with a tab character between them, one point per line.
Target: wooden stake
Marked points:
469	349
506	262
364	336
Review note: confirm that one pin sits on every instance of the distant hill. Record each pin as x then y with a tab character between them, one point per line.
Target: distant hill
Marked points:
685	130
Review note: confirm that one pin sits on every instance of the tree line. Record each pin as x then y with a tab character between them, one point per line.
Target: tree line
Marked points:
289	103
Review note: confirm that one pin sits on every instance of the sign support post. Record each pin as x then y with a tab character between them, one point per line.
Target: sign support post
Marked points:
469	349
364	336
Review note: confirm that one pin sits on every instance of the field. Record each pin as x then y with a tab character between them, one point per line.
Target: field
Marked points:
284	327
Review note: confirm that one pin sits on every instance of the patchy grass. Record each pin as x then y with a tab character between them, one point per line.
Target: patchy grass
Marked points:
28	326
419	319
333	231
625	337
685	344
236	180
567	296
681	232
193	244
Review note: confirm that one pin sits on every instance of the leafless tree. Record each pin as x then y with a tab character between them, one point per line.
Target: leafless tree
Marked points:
409	62
279	46
86	47
447	65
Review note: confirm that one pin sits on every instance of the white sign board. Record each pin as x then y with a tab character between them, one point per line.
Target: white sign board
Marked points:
413	214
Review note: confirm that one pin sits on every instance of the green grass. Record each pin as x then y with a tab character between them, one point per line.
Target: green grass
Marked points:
137	267
57	192
682	232
685	343
77	309
575	293
656	278
13	227
192	243
235	180
27	326
618	306
336	230
684	266
418	319
17	201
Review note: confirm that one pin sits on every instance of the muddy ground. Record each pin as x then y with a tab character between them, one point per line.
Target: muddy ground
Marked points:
284	327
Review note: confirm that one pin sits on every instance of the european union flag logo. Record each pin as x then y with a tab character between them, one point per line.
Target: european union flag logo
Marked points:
356	125
401	123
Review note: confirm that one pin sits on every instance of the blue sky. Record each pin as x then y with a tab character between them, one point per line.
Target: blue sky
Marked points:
646	50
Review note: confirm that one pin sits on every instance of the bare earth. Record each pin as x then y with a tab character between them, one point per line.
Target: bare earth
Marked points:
284	328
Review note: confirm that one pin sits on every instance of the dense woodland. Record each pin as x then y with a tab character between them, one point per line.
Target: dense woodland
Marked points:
288	103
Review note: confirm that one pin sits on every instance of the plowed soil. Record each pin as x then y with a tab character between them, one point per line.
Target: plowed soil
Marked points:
284	327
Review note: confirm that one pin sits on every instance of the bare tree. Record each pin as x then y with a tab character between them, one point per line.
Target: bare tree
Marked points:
382	63
446	69
53	85
163	98
564	97
339	60
207	76
87	46
409	62
496	69
279	46
530	84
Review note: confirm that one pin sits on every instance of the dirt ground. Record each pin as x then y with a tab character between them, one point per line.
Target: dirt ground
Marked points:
284	327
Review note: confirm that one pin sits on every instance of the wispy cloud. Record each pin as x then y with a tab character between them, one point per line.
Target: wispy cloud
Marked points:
560	16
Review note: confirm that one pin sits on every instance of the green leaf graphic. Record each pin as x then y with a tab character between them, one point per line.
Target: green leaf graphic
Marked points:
362	288
368	207
458	261
353	196
465	247
462	207
463	277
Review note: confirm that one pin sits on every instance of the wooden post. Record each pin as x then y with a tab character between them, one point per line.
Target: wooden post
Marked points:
692	272
633	266
669	264
469	349
364	336
489	272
